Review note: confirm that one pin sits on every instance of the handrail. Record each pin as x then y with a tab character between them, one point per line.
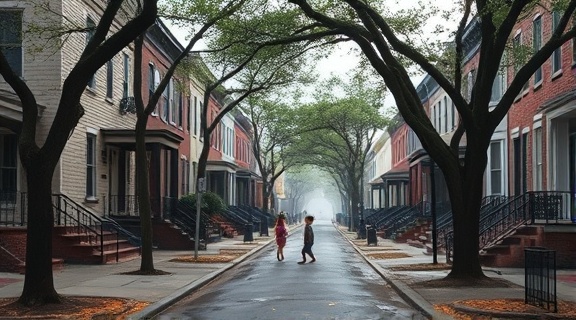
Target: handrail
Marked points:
12	209
69	212
507	217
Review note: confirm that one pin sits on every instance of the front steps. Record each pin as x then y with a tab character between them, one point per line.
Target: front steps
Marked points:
509	252
168	236
74	247
13	251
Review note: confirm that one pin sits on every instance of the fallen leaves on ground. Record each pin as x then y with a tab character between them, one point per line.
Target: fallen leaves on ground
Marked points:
422	267
379	249
210	258
77	308
238	252
449	282
388	255
566	309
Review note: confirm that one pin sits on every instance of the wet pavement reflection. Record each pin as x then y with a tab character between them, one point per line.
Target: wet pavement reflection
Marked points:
340	285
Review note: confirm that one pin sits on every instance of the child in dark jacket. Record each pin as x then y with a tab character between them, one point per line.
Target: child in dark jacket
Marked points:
308	240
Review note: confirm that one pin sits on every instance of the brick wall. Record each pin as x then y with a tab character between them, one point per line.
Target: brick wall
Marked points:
522	113
565	245
12	249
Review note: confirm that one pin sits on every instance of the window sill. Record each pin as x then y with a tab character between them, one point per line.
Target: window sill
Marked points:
556	74
91	90
91	199
109	101
538	85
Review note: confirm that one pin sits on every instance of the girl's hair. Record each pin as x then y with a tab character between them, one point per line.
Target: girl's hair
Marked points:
280	222
311	218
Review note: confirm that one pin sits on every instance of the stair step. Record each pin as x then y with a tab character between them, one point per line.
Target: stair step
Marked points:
498	249
512	240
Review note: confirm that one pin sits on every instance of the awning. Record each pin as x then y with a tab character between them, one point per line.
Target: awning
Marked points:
128	137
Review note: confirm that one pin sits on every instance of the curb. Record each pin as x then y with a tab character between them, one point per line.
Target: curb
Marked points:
407	293
155	308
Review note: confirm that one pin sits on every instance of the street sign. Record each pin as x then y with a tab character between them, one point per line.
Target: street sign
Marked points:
202	184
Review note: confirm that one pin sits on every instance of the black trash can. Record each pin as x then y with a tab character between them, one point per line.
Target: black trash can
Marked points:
248	233
371	235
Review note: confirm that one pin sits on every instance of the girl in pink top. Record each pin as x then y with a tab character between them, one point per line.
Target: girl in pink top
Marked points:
281	233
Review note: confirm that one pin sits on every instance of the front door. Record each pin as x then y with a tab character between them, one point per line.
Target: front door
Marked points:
117	182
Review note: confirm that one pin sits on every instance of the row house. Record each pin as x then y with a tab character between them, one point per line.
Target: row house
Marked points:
380	163
96	173
83	174
531	156
167	133
541	129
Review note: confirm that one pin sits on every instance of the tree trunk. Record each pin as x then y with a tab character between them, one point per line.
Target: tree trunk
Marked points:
466	199
143	188
39	282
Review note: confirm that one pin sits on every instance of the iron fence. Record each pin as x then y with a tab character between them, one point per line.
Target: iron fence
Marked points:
540	278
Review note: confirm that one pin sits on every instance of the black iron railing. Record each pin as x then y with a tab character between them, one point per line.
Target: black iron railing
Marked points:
501	218
540	278
13	208
67	212
123	205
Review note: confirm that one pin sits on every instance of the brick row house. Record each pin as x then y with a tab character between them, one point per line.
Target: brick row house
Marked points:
531	157
96	173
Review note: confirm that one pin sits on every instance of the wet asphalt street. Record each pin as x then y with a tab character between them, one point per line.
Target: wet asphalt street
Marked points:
340	285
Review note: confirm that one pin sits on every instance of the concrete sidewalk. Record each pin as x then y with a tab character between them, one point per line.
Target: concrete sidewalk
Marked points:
161	291
425	298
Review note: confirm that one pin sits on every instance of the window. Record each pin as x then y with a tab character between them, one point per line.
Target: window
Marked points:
445	114
498	87
201	138
185	177
126	81
496	167
453	116
439	115
11	38
180	108
517	49
173	98
91	29
195	116
434	117
188	113
469	84
557	54
8	165
536	45
90	166
516	43
166	101
537	159
152	85
573	44
110	79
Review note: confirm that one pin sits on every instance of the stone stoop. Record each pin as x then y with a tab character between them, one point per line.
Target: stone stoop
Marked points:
509	252
74	247
414	232
168	236
227	228
13	251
